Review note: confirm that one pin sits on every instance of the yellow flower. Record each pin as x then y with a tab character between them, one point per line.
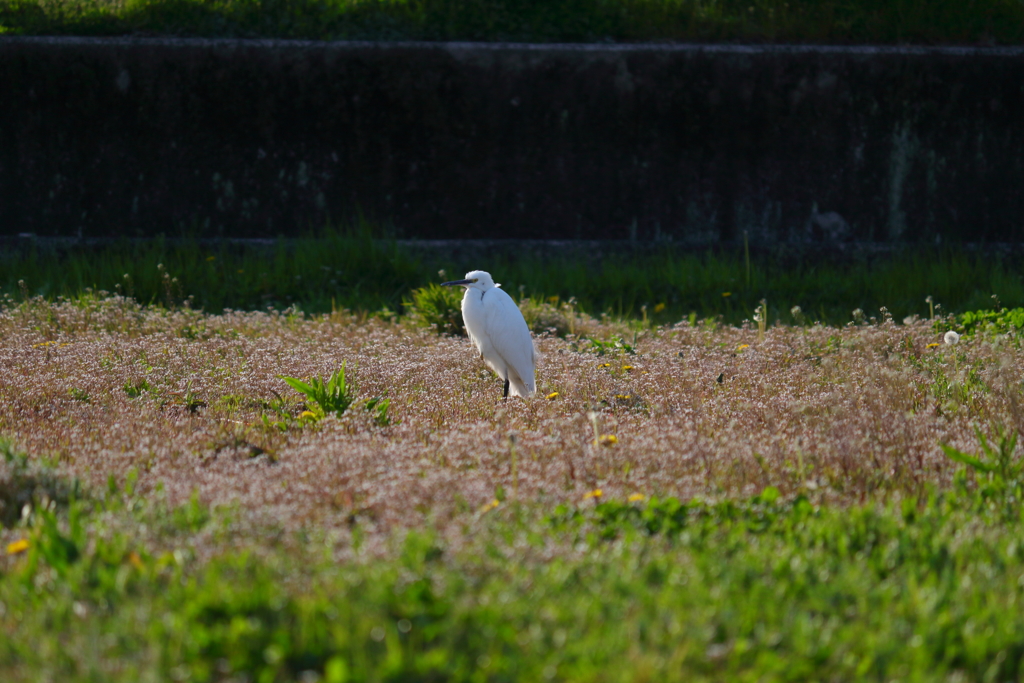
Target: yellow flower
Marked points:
210	258
596	493
627	368
490	506
19	546
605	365
553	299
135	560
636	498
607	440
659	308
622	397
241	270
934	345
553	395
742	346
726	293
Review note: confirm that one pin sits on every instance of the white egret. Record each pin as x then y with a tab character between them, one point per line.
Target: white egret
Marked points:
497	329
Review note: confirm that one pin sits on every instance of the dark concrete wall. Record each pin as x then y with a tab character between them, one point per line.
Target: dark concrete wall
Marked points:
688	143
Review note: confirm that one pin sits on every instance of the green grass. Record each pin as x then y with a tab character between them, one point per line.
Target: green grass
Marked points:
114	587
349	270
825	21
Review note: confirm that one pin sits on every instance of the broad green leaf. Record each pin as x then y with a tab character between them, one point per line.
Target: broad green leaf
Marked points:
966	459
299	386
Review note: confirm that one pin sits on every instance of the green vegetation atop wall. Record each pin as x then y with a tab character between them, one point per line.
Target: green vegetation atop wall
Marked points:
815	21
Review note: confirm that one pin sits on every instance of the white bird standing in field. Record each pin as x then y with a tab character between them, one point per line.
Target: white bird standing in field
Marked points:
498	330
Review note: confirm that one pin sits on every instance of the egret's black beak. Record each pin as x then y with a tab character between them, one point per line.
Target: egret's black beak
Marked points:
458	282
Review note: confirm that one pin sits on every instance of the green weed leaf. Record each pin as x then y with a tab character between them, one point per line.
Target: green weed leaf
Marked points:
300	386
966	459
331	397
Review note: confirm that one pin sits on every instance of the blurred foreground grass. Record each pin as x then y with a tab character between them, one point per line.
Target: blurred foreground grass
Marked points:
339	269
115	587
815	21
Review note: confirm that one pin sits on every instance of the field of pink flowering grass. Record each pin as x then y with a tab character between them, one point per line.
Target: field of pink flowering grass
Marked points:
688	501
195	403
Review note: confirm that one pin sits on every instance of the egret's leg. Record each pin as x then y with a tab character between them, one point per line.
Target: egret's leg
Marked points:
505	397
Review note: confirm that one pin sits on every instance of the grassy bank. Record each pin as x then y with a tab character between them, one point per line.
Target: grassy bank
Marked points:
760	588
814	21
343	270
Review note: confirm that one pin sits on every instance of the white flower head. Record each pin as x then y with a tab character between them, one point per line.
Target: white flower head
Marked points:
951	337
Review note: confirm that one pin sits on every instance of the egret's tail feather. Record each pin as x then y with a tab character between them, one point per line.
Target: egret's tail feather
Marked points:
518	386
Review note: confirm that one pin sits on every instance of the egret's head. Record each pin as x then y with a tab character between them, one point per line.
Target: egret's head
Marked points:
475	279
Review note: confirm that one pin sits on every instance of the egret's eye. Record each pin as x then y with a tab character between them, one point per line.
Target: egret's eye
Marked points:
474	279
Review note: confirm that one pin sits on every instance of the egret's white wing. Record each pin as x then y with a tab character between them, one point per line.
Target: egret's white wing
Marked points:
474	316
510	338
